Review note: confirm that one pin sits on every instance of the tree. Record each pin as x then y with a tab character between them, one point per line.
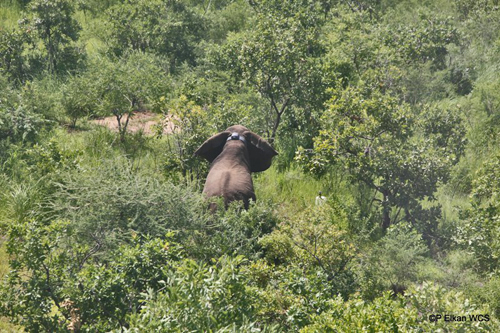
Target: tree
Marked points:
279	58
18	120
480	232
79	98
127	85
12	61
167	28
425	41
52	21
383	145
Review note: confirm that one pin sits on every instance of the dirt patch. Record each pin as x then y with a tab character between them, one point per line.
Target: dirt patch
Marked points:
139	121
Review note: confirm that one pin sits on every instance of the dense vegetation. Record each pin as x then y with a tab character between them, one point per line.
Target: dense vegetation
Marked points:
391	108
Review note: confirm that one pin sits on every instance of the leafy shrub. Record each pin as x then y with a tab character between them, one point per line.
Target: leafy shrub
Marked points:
106	204
79	99
18	120
480	233
20	124
169	28
393	262
13	63
312	239
424	41
307	257
289	294
235	231
408	313
198	297
55	282
29	300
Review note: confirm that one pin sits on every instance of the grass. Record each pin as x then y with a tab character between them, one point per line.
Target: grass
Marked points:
10	13
294	190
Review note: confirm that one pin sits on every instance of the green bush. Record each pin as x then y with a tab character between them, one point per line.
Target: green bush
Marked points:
108	203
392	263
408	313
480	232
55	283
167	28
309	258
79	100
290	294
200	298
235	231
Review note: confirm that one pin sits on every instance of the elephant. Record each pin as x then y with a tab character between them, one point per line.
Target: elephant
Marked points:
234	154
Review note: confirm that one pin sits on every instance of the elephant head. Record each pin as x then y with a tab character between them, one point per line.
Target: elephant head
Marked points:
234	154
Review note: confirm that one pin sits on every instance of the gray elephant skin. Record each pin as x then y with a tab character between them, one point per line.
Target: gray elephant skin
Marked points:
234	154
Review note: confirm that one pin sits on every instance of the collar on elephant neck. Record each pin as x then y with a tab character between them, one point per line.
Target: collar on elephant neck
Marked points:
236	136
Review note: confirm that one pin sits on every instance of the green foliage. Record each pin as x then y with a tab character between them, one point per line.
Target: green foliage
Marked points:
480	232
279	58
468	8
78	98
312	239
386	101
12	60
231	16
289	295
108	293
425	41
167	28
194	124
53	23
393	263
409	313
124	86
108	203
18	120
200	297
67	288
95	7
42	97
64	288
308	258
235	231
367	131
29	301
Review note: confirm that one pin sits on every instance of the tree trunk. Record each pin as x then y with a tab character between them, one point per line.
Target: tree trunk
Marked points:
386	213
279	113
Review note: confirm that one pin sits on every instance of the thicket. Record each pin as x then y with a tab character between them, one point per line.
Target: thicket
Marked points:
390	108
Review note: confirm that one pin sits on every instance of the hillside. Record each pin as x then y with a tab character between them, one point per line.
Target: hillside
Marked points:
390	109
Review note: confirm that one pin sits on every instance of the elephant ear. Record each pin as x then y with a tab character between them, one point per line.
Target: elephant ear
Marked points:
260	151
211	148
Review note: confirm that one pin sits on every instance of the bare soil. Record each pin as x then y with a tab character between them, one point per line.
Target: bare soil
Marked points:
139	121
